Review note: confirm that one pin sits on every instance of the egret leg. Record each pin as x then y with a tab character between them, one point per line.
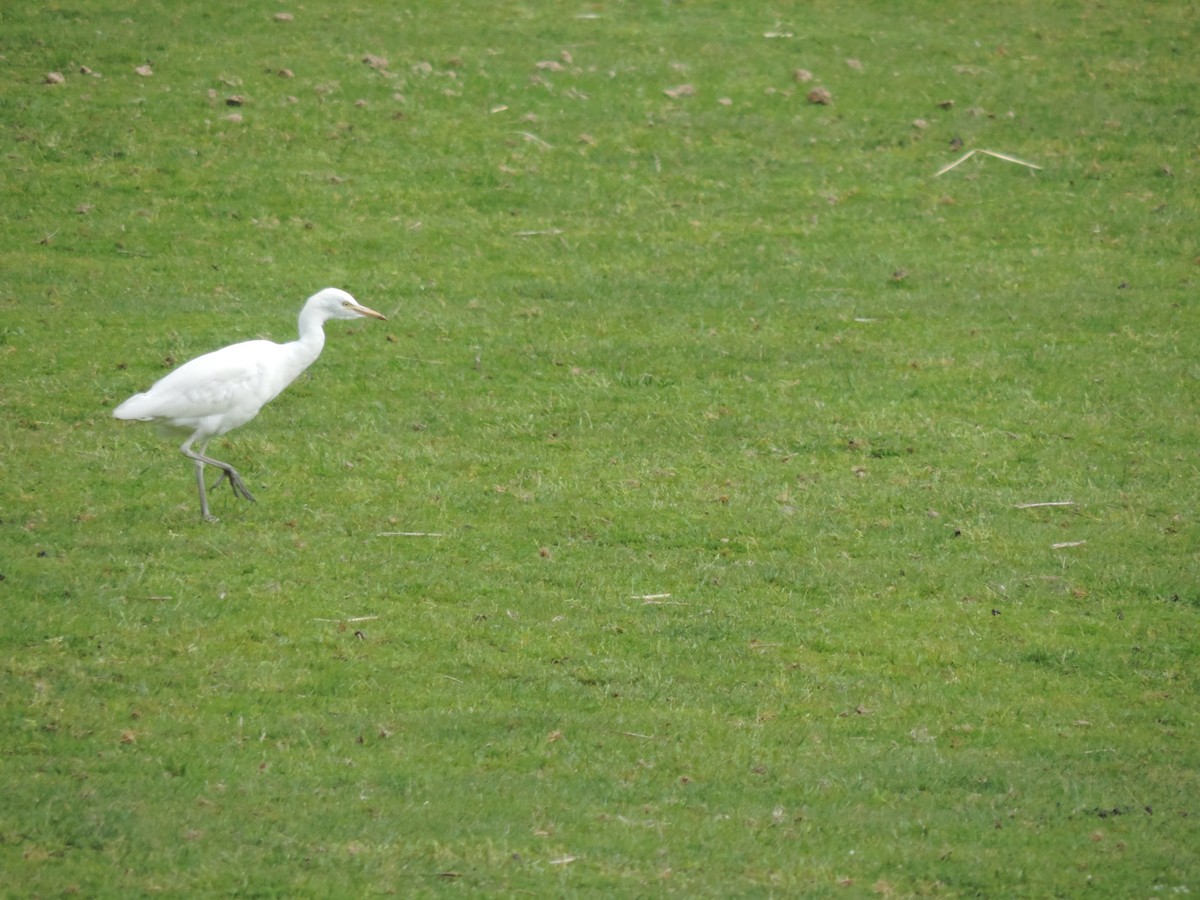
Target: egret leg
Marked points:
204	513
227	471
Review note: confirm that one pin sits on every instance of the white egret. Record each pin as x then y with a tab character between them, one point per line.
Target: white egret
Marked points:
217	392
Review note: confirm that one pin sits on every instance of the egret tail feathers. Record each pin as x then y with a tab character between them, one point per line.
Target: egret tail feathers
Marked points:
136	408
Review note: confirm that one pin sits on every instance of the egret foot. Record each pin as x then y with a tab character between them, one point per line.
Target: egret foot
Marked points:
235	482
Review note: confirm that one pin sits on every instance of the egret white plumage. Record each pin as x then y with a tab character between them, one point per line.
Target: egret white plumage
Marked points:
217	392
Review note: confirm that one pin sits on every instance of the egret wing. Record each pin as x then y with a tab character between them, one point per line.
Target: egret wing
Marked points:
235	379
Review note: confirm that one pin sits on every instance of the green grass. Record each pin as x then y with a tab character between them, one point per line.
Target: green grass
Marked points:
715	410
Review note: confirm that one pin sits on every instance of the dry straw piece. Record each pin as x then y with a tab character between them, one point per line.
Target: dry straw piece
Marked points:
1004	156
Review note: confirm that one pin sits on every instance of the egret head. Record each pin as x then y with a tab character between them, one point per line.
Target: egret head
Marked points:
337	304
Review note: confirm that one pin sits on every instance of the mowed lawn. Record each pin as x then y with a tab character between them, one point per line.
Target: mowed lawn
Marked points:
741	499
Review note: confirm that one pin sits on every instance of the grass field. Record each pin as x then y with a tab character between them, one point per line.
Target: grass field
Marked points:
684	530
